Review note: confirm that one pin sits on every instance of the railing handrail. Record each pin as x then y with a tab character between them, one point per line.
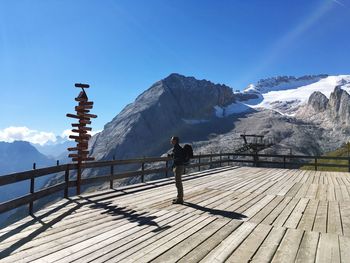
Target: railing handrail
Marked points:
32	174
26	175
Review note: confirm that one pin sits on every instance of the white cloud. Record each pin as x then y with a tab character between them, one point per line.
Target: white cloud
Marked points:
65	134
11	134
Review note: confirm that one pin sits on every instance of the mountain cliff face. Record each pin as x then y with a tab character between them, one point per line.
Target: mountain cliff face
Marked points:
332	113
170	106
339	106
211	116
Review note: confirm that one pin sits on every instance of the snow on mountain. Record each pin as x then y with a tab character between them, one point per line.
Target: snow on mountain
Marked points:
234	108
286	94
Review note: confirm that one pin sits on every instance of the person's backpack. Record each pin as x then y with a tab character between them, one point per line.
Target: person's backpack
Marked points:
188	153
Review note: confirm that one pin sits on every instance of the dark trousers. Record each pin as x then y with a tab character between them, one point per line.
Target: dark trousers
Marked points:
178	172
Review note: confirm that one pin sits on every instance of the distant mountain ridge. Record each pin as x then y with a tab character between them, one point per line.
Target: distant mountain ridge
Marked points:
19	156
57	149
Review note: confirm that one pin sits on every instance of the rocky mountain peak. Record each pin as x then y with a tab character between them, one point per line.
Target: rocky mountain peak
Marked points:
164	109
318	101
339	105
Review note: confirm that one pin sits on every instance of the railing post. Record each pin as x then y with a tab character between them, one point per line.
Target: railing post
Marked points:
57	162
78	177
66	180
143	170
32	184
220	159
256	159
166	167
284	161
199	162
349	164
112	173
211	160
316	164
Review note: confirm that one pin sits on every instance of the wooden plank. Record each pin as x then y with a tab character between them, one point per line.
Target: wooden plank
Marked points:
308	218
344	245
88	249
338	194
268	248
328	249
189	244
261	204
344	208
209	244
81	85
161	245
229	245
294	218
275	212
284	215
331	193
320	224
308	248
334	225
135	242
262	214
288	249
312	191
247	249
345	193
56	247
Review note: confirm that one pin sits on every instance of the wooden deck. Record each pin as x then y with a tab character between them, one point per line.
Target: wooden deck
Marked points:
231	214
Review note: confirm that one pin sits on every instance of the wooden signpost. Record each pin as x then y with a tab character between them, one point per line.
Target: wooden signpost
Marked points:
81	131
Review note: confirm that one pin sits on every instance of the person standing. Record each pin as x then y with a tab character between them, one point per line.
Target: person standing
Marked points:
178	168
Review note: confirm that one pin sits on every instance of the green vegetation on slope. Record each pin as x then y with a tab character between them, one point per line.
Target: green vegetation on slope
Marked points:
343	151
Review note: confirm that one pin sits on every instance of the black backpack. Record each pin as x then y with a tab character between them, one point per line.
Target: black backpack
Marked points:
188	153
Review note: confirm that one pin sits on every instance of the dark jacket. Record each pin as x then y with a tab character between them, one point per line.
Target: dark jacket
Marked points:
178	155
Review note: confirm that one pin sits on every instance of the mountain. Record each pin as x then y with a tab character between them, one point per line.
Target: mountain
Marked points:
20	156
212	116
287	94
57	149
175	105
16	157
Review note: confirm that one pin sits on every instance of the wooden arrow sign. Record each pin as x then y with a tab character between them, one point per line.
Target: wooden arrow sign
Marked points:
86	103
85	121
83	107
81	85
82	136
79	131
78	125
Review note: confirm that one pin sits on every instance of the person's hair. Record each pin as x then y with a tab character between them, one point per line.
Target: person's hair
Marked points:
175	138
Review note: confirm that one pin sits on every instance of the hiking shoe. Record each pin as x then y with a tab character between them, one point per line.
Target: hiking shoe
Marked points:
178	201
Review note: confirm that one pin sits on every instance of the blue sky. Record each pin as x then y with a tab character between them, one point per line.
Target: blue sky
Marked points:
122	47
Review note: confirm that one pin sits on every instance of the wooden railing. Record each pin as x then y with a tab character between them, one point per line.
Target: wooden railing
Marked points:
198	161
